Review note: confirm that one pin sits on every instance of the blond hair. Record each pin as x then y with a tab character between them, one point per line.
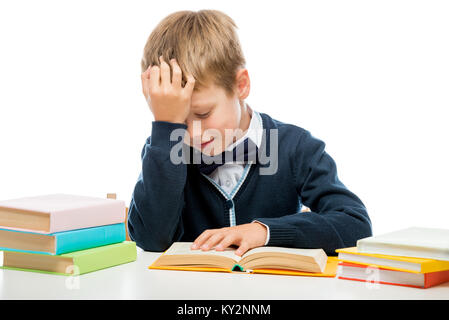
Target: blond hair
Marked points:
204	43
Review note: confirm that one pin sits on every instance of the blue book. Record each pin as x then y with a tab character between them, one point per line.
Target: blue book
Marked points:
61	242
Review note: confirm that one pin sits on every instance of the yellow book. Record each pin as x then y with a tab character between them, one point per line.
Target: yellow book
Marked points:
398	263
266	260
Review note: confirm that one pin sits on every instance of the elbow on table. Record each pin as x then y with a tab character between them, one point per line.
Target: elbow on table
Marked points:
145	243
148	245
361	229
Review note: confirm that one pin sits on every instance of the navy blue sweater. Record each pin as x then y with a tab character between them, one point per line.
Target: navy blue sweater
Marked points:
175	202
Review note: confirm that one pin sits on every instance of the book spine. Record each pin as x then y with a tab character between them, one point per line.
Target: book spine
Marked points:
86	217
435	278
80	239
110	256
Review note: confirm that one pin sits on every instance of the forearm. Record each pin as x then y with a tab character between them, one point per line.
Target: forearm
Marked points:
338	218
154	219
330	230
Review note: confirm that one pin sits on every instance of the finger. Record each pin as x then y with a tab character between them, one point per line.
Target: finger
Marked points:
154	77
146	81
165	73
190	84
212	241
177	74
226	242
201	238
242	248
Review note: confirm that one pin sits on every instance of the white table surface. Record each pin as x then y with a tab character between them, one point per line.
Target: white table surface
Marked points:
135	281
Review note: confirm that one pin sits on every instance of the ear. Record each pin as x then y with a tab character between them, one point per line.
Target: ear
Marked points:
243	84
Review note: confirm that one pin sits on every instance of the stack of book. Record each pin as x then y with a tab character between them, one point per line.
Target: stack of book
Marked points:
414	257
64	234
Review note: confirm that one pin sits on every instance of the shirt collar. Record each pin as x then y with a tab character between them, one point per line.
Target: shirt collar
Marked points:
254	131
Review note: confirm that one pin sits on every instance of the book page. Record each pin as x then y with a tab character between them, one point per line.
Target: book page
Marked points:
178	248
301	252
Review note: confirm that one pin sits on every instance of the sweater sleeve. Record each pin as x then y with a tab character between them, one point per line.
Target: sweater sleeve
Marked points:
154	216
338	218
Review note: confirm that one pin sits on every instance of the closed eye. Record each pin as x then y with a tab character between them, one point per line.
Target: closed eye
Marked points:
202	115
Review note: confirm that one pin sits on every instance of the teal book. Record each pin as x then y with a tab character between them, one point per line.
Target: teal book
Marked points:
61	242
73	263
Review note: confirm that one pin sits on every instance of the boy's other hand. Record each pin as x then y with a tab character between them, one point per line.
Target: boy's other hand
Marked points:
245	236
168	100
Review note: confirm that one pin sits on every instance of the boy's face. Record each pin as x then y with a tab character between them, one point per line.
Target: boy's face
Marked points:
215	120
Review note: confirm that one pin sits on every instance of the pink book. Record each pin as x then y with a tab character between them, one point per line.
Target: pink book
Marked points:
59	212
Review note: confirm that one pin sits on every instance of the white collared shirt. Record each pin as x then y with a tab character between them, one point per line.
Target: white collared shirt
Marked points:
228	175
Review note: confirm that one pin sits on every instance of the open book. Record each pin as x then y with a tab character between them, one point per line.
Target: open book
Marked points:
274	260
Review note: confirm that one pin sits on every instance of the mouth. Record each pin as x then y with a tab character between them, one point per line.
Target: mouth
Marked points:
203	145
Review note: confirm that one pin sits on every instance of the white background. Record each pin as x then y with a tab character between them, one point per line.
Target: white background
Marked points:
370	78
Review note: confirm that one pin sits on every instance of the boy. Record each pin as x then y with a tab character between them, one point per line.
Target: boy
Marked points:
195	82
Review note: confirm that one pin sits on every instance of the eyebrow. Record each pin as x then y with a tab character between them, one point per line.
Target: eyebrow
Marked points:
205	105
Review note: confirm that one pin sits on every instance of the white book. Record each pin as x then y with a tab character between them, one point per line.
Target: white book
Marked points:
414	242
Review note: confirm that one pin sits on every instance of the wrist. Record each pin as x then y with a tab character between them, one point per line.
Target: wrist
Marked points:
262	230
170	119
165	134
